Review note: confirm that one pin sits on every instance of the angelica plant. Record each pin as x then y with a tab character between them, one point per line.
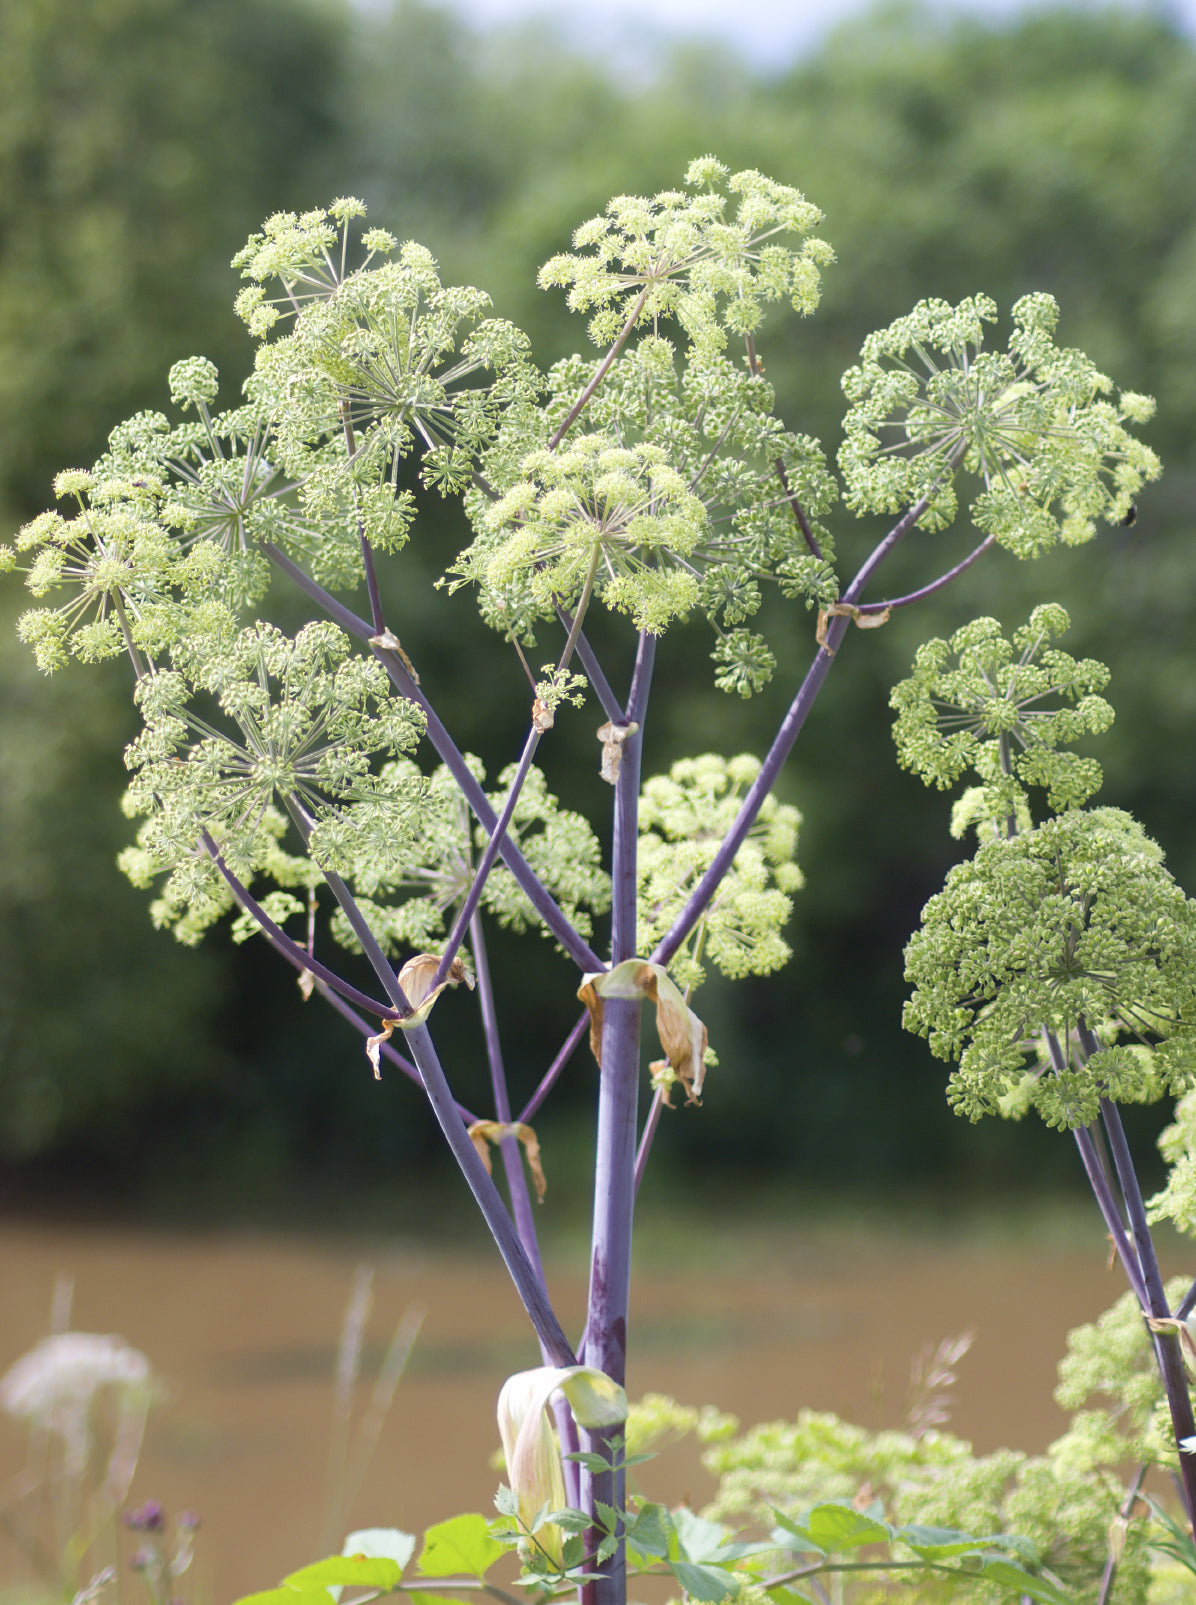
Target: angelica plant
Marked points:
307	786
1057	967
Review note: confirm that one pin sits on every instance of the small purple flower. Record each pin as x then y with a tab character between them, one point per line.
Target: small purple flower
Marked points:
186	1521
143	1559
149	1519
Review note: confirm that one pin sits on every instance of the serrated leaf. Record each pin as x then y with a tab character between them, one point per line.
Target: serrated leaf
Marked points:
1004	1571
361	1571
607	1515
570	1520
710	1584
835	1527
506	1501
463	1544
590	1462
648	1537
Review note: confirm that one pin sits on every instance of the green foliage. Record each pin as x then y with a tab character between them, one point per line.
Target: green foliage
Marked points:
683	818
1069	925
987	714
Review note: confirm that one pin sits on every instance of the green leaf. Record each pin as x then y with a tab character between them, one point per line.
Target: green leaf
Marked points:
649	1533
506	1501
1004	1571
361	1571
707	1583
941	1543
463	1544
835	1527
590	1462
287	1596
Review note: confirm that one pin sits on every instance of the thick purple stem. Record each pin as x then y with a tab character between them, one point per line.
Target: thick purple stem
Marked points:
618	1097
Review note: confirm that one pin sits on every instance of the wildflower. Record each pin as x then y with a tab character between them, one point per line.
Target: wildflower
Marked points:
55	1386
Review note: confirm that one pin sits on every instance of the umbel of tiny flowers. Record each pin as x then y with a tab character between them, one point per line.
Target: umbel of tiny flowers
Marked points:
1031	426
300	722
378	360
683	818
436	864
703	535
681	256
1063	929
1002	708
57	1388
127	584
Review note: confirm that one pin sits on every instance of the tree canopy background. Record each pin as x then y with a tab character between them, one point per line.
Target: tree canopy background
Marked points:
138	148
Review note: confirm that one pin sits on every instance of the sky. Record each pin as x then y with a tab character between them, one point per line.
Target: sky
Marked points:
765	32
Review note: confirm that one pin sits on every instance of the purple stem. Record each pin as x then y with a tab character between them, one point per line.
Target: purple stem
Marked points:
781	746
614	1161
650	1125
1098	1179
521	1204
464	919
528	1283
512	1158
598	681
291	951
367	1030
1166	1344
935	585
553	1072
578	950
1188	1305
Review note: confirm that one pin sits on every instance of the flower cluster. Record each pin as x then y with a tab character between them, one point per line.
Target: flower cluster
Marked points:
295	725
1031	426
379	362
1002	708
683	818
1062	929
680	255
435	865
57	1385
682	496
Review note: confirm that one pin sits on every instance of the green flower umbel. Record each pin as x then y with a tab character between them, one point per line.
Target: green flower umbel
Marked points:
1047	453
1065	929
